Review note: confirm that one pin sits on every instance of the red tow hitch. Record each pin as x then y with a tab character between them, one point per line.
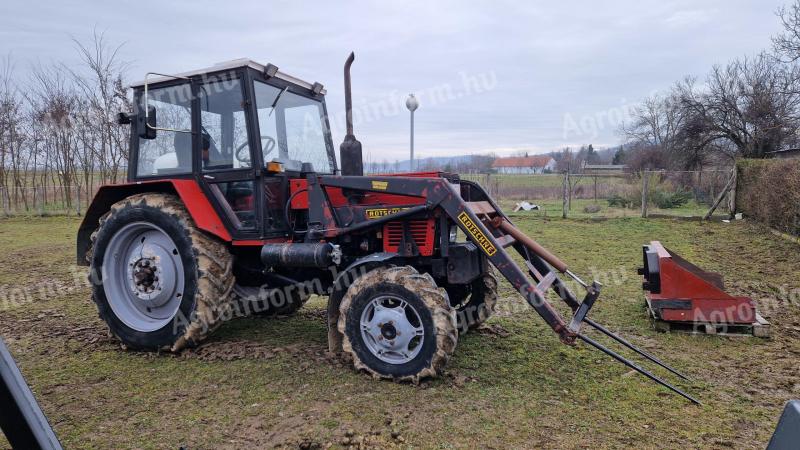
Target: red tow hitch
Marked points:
684	297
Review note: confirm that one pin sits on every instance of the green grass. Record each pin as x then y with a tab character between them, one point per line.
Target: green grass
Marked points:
524	390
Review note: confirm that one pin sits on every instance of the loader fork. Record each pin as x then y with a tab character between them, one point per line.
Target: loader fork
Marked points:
542	265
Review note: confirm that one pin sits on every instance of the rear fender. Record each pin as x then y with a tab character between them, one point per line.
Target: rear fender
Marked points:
203	214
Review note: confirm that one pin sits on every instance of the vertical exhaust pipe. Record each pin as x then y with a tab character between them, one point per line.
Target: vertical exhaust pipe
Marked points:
350	150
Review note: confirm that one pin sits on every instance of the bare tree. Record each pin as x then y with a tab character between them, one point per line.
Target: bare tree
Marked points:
53	104
751	103
99	81
13	161
787	44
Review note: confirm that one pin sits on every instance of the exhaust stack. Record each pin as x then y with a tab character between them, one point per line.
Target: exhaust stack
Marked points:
350	150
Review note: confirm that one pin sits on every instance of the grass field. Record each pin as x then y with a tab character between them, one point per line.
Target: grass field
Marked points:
269	382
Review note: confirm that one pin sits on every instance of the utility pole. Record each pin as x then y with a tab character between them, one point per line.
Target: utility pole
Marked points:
412	104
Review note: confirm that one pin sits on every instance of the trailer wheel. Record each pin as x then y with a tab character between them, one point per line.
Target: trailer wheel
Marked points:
397	324
159	282
475	302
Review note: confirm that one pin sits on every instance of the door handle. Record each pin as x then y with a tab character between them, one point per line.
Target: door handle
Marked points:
209	177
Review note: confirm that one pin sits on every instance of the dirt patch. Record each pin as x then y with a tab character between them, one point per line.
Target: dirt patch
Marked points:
494	330
52	326
255	350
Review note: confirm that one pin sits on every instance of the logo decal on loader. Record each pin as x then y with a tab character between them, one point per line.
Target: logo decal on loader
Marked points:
477	234
381	212
380	185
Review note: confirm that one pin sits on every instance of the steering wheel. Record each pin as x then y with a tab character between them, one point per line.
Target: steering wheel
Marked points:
268	146
245	157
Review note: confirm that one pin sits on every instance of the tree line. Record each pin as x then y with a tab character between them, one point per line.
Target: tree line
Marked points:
58	132
745	108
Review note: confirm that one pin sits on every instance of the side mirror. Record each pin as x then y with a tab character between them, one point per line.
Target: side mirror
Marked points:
123	118
147	125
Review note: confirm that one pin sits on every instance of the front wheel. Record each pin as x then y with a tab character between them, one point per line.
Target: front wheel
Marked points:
397	324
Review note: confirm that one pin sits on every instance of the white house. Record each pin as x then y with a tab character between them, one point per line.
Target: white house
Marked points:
524	164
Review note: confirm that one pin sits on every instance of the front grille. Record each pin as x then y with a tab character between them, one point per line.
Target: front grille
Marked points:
421	231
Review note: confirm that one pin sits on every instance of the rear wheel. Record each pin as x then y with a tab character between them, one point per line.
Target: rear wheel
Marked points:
397	324
158	281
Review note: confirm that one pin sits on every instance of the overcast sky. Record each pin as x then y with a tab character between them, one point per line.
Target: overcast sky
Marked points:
491	75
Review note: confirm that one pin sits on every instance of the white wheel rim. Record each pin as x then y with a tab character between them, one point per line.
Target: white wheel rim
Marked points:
143	276
392	329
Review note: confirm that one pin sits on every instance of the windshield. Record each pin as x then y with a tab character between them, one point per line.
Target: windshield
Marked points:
293	131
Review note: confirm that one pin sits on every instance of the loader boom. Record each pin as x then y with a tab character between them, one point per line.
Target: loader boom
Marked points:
491	231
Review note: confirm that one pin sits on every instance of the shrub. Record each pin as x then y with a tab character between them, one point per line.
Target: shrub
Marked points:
669	200
591	209
768	190
619	201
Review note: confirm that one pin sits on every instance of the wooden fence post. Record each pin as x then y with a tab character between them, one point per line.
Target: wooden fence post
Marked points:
40	196
565	200
731	183
77	200
732	194
4	194
645	183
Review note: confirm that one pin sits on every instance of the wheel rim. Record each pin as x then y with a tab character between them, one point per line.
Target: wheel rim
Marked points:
392	329
143	276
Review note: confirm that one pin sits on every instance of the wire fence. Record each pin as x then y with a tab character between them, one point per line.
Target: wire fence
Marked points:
647	194
45	200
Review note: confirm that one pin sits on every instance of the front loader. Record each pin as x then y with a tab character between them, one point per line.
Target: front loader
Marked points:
235	204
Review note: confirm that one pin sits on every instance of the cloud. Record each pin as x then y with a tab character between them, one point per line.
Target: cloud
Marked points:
549	59
690	18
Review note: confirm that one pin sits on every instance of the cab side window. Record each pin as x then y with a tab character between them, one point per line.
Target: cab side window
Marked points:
170	153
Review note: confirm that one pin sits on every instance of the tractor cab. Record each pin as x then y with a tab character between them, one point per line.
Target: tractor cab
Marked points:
239	128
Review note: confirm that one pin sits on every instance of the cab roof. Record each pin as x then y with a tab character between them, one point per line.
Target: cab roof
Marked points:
228	65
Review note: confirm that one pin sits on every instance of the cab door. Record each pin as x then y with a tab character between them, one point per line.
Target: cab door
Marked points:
225	153
269	121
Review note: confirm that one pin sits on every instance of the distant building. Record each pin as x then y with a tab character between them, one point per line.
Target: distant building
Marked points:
524	164
785	153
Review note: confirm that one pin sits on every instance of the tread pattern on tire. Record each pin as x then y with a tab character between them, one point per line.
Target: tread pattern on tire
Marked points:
215	278
435	298
476	315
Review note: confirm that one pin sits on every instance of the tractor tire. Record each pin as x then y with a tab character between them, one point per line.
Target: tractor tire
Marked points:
475	302
159	282
397	324
262	301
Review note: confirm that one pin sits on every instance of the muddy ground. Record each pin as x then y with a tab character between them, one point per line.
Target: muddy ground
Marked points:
271	383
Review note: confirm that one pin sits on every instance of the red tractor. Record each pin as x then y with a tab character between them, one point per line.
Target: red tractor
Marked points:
235	204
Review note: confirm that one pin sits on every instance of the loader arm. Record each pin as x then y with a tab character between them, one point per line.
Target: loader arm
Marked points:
493	232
